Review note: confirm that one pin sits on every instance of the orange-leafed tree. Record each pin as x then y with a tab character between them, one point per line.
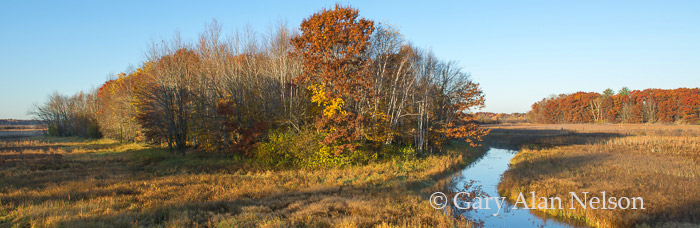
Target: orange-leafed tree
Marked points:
333	45
464	125
116	116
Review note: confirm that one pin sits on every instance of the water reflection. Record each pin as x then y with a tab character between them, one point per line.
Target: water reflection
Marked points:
481	178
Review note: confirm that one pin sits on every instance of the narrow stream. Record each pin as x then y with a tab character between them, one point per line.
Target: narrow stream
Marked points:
486	172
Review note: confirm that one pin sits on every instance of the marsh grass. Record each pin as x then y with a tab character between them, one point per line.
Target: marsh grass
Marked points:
656	162
72	182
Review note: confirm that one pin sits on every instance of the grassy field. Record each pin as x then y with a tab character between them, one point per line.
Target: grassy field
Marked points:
71	182
657	162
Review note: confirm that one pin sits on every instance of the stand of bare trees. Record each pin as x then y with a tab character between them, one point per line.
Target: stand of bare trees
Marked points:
69	115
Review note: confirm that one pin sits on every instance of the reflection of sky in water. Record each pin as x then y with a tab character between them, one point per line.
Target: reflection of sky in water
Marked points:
487	172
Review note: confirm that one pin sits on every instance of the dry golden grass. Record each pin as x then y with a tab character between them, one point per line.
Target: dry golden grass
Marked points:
656	162
52	182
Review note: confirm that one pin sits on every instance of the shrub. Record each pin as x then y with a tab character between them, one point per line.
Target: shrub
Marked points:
283	148
325	157
397	152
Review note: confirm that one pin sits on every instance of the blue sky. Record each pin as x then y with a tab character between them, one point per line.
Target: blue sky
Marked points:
520	51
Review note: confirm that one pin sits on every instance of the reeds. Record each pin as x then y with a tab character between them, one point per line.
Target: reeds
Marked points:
656	162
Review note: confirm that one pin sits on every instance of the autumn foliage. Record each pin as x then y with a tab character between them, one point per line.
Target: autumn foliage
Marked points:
354	88
680	105
333	45
117	101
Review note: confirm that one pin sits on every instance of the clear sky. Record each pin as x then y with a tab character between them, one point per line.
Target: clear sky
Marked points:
520	51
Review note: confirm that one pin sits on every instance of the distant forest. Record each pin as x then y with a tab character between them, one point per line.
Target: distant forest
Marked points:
500	118
680	105
19	122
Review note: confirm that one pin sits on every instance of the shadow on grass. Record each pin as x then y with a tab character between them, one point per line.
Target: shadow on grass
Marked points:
684	214
546	167
515	139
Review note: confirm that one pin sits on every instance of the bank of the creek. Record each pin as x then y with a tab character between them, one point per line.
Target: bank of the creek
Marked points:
485	173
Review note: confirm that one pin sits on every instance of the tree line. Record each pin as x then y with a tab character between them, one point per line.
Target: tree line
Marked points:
354	86
680	105
500	118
